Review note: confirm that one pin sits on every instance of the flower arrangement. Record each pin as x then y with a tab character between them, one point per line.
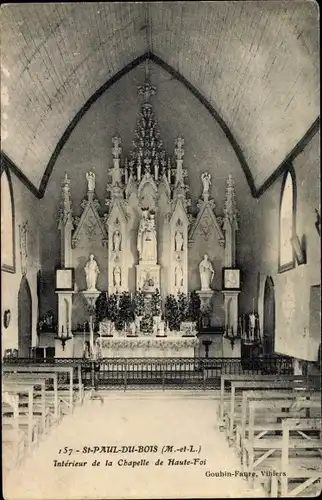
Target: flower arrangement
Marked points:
172	312
183	309
125	312
194	307
156	303
138	301
112	307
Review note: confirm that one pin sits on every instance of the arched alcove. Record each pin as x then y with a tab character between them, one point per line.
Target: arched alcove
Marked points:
24	319
269	317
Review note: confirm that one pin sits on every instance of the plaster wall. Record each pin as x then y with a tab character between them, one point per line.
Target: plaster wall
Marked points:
292	288
26	209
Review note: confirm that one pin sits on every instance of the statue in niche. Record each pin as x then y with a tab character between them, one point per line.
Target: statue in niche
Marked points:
206	181
147	242
207	273
90	176
117	276
117	241
91	272
178	241
178	277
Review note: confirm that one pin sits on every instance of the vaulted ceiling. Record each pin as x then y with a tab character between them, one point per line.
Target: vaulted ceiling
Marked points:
255	63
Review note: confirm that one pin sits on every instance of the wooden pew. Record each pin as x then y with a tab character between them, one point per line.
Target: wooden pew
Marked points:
259	452
30	423
264	426
13	439
51	401
34	369
308	469
251	378
258	384
39	404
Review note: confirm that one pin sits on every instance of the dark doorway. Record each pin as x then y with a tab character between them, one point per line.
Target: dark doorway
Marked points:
24	319
269	317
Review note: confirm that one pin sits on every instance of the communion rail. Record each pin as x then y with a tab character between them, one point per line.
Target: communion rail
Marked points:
172	373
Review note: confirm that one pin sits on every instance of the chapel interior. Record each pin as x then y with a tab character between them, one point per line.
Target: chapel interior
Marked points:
160	221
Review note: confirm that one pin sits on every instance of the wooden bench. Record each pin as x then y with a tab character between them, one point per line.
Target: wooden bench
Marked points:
35	369
237	387
26	418
13	438
52	403
306	471
258	449
227	379
263	426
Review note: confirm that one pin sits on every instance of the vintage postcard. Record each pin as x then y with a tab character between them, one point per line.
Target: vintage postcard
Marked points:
160	250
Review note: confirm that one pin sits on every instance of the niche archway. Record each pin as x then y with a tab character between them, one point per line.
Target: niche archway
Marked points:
24	319
269	317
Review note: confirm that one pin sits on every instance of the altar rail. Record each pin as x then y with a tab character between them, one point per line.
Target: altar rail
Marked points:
171	373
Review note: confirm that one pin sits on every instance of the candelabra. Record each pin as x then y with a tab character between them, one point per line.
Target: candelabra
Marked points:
231	334
249	327
63	337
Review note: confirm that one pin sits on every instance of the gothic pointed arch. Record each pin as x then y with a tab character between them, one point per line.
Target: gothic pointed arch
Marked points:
8	257
287	222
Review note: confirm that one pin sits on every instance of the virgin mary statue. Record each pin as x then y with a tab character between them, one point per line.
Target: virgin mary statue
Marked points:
147	242
207	273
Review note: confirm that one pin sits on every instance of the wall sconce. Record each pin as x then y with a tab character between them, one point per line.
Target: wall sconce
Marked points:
64	337
230	335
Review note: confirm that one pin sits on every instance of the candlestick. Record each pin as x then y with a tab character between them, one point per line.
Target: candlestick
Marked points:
253	305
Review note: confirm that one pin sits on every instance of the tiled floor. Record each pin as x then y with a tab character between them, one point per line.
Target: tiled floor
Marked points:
151	419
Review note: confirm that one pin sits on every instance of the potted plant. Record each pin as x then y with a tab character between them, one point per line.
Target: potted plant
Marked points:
125	312
172	313
194	307
112	307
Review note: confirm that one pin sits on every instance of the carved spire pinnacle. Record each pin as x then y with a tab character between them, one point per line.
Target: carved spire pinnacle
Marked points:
65	209
230	209
116	150
148	151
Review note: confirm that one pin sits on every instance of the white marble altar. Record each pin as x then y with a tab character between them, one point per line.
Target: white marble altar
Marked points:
148	239
144	346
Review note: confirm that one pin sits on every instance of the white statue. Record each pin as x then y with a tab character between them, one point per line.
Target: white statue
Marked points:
117	276
91	272
178	240
147	242
206	181
117	241
207	273
178	277
90	176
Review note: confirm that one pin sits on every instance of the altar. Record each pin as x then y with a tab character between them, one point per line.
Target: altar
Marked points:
147	347
140	272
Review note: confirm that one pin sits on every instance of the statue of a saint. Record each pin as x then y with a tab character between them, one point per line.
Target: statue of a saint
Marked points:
178	277
207	273
206	181
117	276
178	240
91	272
90	176
117	241
147	242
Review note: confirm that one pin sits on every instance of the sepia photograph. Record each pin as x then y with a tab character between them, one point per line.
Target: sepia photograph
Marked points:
160	250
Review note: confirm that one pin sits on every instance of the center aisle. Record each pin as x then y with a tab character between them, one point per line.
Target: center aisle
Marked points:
151	419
